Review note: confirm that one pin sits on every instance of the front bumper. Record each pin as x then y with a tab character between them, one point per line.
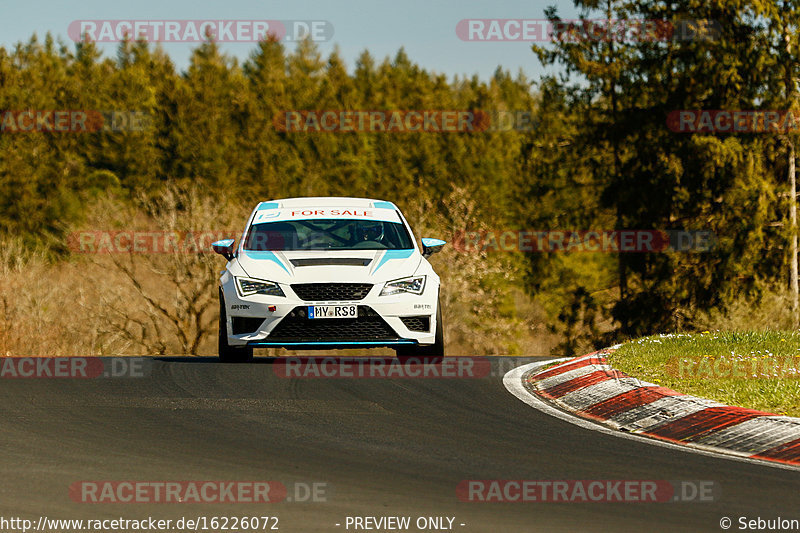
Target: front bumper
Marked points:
380	320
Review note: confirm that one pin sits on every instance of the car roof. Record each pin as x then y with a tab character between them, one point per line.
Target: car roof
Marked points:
326	201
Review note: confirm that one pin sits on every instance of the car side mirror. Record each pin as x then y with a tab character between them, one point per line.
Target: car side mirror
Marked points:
224	248
431	246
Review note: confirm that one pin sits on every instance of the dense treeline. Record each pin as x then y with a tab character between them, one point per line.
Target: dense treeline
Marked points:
638	172
601	155
213	124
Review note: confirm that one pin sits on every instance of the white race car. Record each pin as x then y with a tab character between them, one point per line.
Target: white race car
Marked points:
321	273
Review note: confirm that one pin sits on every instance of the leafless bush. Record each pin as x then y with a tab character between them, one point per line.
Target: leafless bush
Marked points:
477	294
165	303
771	310
169	299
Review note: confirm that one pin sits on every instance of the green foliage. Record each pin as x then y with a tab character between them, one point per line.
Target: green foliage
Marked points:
600	156
211	130
609	161
754	369
213	124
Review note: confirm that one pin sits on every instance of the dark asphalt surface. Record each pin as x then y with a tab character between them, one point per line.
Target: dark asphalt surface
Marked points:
385	447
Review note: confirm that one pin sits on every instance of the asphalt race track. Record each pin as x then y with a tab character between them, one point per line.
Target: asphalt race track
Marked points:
384	447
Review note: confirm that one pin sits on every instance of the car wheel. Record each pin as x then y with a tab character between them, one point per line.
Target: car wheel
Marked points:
427	350
228	353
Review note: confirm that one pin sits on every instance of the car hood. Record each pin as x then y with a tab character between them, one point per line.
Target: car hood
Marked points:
344	266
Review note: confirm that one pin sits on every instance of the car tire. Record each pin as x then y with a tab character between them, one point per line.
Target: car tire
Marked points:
434	350
228	353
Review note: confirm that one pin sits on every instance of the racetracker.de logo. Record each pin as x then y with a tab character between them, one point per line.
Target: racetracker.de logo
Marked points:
74	367
730	121
197	31
72	121
402	121
585	491
734	367
177	492
382	367
145	242
583	30
603	241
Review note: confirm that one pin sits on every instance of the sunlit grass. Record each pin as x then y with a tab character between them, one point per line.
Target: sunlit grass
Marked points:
748	369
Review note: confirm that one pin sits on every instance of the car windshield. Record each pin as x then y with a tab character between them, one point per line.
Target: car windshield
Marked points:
328	234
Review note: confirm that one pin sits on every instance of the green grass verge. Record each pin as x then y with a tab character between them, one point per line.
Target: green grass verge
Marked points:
758	370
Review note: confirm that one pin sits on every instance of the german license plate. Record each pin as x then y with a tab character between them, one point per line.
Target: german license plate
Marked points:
332	311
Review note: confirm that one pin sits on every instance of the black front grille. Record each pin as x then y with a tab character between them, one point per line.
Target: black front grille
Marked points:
245	324
368	326
417	323
327	292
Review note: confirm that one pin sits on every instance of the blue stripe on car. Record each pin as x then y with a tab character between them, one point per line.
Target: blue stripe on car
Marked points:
267	205
383	205
394	254
269	256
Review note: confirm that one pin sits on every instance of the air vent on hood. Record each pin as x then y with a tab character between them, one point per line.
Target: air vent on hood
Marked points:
327	261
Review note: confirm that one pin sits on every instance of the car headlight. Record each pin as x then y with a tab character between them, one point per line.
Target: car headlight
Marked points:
413	285
256	286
